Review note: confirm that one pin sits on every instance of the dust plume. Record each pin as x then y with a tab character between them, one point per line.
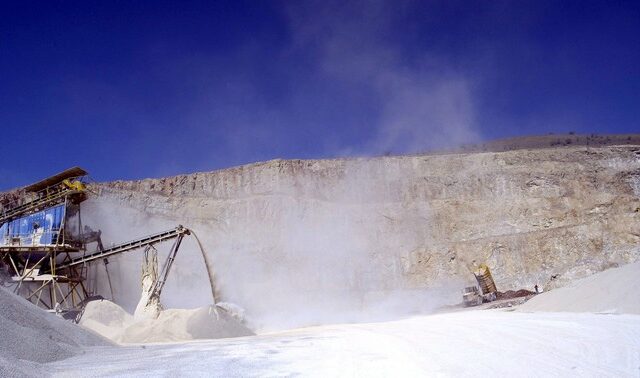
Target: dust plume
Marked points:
423	101
295	257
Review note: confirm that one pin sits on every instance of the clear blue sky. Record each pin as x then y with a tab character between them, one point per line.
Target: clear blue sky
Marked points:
146	89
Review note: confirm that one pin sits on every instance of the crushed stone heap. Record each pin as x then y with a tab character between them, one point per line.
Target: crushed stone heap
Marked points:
172	325
613	291
29	336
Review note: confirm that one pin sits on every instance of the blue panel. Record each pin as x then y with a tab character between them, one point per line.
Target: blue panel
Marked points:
41	228
4	230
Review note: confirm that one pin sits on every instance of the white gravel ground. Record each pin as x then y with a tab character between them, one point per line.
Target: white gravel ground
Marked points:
614	291
472	343
596	334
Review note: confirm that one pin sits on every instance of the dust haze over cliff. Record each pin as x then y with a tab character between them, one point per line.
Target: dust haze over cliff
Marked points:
287	261
298	242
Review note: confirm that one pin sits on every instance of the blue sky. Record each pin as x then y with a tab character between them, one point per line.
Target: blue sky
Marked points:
147	89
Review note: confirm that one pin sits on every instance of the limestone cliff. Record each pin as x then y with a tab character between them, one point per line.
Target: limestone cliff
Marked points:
298	227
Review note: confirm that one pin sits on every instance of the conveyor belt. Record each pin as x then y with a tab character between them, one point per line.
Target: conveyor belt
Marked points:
128	246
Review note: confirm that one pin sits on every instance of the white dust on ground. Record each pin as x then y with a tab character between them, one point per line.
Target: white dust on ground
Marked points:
613	291
454	344
172	325
545	343
465	344
29	336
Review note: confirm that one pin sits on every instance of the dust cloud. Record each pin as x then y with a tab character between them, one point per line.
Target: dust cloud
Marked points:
288	261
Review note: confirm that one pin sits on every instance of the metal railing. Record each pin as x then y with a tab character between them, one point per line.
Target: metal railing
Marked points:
37	204
29	239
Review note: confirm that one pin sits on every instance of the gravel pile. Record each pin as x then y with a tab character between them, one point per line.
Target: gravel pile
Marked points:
172	325
511	294
611	291
30	336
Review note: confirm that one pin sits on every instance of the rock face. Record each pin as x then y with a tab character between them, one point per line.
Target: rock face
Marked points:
334	232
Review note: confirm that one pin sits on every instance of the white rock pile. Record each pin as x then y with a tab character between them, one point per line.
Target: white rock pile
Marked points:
172	325
29	336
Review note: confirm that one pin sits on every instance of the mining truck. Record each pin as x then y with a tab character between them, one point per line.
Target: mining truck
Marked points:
472	295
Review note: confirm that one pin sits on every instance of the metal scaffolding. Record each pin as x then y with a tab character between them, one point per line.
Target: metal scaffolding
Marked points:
45	252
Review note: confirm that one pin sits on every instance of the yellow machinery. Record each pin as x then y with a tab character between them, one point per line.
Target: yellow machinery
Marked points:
471	296
485	281
74	185
54	190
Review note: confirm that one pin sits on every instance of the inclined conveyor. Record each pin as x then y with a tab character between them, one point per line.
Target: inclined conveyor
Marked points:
178	232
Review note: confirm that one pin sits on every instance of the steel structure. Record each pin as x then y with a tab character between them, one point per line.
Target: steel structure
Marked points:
178	232
49	192
41	231
44	247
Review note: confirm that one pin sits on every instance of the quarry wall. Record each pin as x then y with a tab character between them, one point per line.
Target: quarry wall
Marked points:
342	234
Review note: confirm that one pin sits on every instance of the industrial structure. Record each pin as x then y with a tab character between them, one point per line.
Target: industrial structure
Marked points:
43	244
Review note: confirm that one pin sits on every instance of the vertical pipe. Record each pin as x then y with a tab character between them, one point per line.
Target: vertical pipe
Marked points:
80	227
63	223
106	269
